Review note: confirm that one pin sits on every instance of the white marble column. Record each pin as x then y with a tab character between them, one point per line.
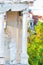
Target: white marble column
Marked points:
24	56
2	61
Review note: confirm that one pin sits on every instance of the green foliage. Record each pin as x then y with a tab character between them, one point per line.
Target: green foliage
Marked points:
35	45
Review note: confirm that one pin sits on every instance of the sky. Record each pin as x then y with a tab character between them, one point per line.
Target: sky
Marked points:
37	7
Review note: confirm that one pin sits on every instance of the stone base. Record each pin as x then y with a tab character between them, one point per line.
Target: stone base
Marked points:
1	64
18	64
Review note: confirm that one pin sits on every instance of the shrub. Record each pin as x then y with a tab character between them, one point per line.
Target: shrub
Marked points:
35	45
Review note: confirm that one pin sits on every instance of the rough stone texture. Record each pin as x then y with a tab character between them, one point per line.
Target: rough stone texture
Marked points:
13	38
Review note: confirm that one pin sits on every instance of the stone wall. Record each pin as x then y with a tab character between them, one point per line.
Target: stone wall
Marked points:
14	27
